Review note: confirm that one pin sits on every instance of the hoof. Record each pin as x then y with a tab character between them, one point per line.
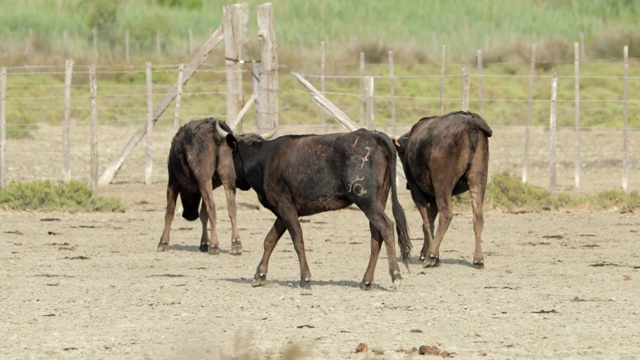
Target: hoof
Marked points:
163	247
305	284
214	250
236	247
478	264
204	248
365	286
259	280
431	261
396	278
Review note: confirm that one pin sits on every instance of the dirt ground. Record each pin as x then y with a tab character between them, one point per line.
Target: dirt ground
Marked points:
557	284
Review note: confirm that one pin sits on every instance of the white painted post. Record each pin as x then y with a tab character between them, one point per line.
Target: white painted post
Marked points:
66	161
149	142
93	88
576	50
552	132
625	115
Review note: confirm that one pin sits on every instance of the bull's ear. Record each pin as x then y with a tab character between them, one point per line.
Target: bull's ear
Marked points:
397	144
232	142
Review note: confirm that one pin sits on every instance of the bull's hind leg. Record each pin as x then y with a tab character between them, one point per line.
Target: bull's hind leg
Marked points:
172	196
236	244
443	202
270	242
208	212
381	231
428	211
477	188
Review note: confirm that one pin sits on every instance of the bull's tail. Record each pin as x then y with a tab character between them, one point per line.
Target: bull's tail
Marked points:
402	228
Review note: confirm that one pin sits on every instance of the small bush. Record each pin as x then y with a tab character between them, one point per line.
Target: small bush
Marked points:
45	195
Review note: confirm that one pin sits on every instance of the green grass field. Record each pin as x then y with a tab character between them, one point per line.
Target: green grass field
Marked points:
415	30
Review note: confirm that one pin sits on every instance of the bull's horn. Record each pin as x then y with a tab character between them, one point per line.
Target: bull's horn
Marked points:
221	130
269	135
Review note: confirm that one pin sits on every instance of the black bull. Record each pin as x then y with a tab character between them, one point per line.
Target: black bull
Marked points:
445	156
199	161
300	175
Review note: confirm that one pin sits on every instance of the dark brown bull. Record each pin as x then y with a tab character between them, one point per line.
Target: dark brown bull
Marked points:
198	164
301	175
444	156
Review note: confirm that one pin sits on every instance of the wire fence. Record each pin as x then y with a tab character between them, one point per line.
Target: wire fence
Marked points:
34	108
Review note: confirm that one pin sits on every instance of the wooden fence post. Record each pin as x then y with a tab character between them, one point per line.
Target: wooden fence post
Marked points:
363	101
369	90
66	162
480	83
149	142
442	69
127	55
93	87
392	93
466	86
176	112
268	112
576	50
3	126
323	71
231	21
552	133
625	115
532	76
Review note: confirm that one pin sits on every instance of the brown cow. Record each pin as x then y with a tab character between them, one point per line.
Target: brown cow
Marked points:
198	164
444	156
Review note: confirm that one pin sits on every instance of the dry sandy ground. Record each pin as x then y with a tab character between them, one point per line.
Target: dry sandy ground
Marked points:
78	286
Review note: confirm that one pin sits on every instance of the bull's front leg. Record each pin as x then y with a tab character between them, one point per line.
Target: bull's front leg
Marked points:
270	242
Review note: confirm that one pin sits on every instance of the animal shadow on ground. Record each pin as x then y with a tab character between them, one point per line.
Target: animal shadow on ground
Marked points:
294	283
415	261
192	248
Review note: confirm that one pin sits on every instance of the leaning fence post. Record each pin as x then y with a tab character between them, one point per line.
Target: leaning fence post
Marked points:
93	87
65	122
149	143
552	132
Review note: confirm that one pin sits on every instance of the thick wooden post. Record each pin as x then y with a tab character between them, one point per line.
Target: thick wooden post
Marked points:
233	38
176	112
369	90
268	96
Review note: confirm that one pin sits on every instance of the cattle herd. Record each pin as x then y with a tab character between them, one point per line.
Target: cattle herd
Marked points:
301	175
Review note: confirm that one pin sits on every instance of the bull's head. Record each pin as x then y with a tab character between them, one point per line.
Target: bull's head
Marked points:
401	144
233	142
